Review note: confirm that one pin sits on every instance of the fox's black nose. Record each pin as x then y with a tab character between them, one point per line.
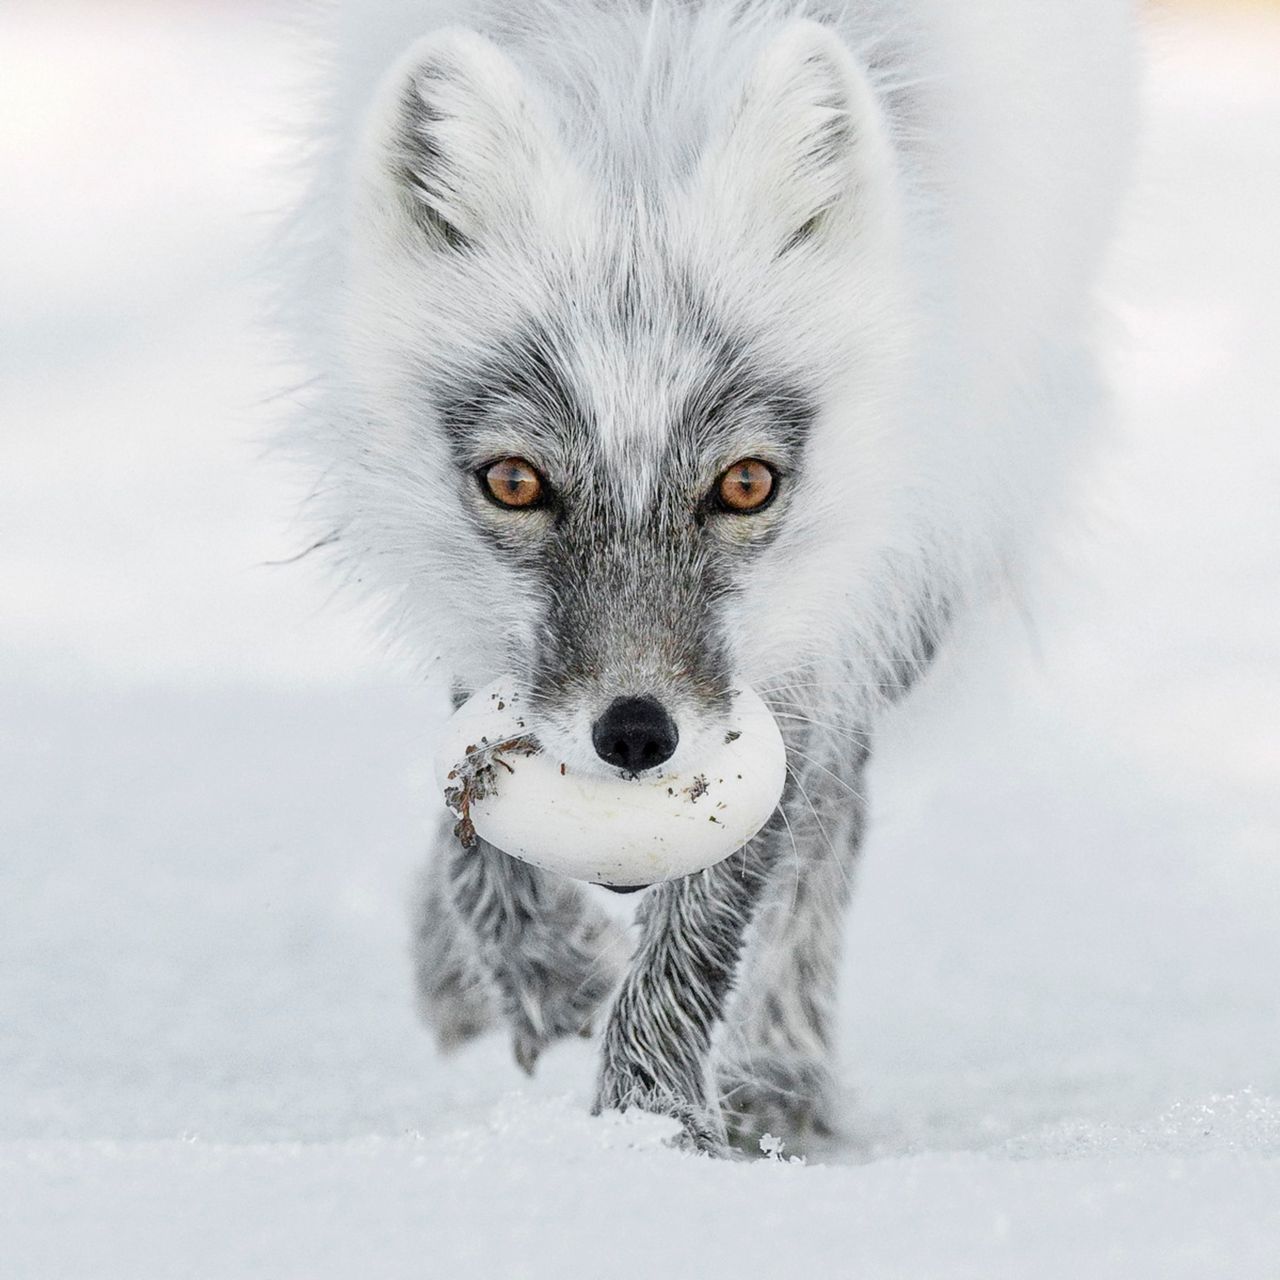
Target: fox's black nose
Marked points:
635	734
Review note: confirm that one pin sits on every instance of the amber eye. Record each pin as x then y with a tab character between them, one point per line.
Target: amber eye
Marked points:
747	486
513	482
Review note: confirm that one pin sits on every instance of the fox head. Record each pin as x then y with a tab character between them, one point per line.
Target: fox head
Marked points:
617	391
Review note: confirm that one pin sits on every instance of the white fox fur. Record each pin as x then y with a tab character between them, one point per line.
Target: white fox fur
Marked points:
963	383
898	207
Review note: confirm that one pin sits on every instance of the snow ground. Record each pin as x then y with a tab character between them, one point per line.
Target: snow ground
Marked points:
1062	1043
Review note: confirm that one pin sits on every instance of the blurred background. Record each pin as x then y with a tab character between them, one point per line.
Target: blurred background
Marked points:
213	790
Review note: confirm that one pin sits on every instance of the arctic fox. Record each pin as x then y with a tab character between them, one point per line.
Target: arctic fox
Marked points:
665	346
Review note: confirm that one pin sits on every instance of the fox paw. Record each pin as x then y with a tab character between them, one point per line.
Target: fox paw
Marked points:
701	1127
626	1081
793	1101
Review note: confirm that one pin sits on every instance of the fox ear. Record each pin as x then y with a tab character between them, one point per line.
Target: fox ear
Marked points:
805	155
460	146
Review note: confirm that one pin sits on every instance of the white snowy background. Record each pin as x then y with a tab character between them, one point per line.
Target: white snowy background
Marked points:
1060	1022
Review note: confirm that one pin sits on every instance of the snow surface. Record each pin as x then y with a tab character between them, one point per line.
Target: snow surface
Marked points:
1060	1021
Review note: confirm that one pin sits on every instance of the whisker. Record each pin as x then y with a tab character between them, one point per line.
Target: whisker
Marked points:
825	685
835	777
795	851
854	735
835	857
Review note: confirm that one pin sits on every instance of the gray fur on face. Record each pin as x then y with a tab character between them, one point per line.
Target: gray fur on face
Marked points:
630	565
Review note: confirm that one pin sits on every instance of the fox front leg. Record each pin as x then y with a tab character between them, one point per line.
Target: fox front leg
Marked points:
657	1043
551	956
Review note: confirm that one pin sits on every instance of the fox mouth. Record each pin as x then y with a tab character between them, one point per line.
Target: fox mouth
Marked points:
623	828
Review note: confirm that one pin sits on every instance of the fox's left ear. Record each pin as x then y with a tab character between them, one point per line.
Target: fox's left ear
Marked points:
805	154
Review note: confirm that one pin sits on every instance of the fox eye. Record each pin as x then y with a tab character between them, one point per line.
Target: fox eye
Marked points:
746	486
513	482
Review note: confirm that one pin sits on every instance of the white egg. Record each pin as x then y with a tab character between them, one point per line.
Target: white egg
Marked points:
607	829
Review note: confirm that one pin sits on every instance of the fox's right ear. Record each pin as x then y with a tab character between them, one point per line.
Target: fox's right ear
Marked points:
457	145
